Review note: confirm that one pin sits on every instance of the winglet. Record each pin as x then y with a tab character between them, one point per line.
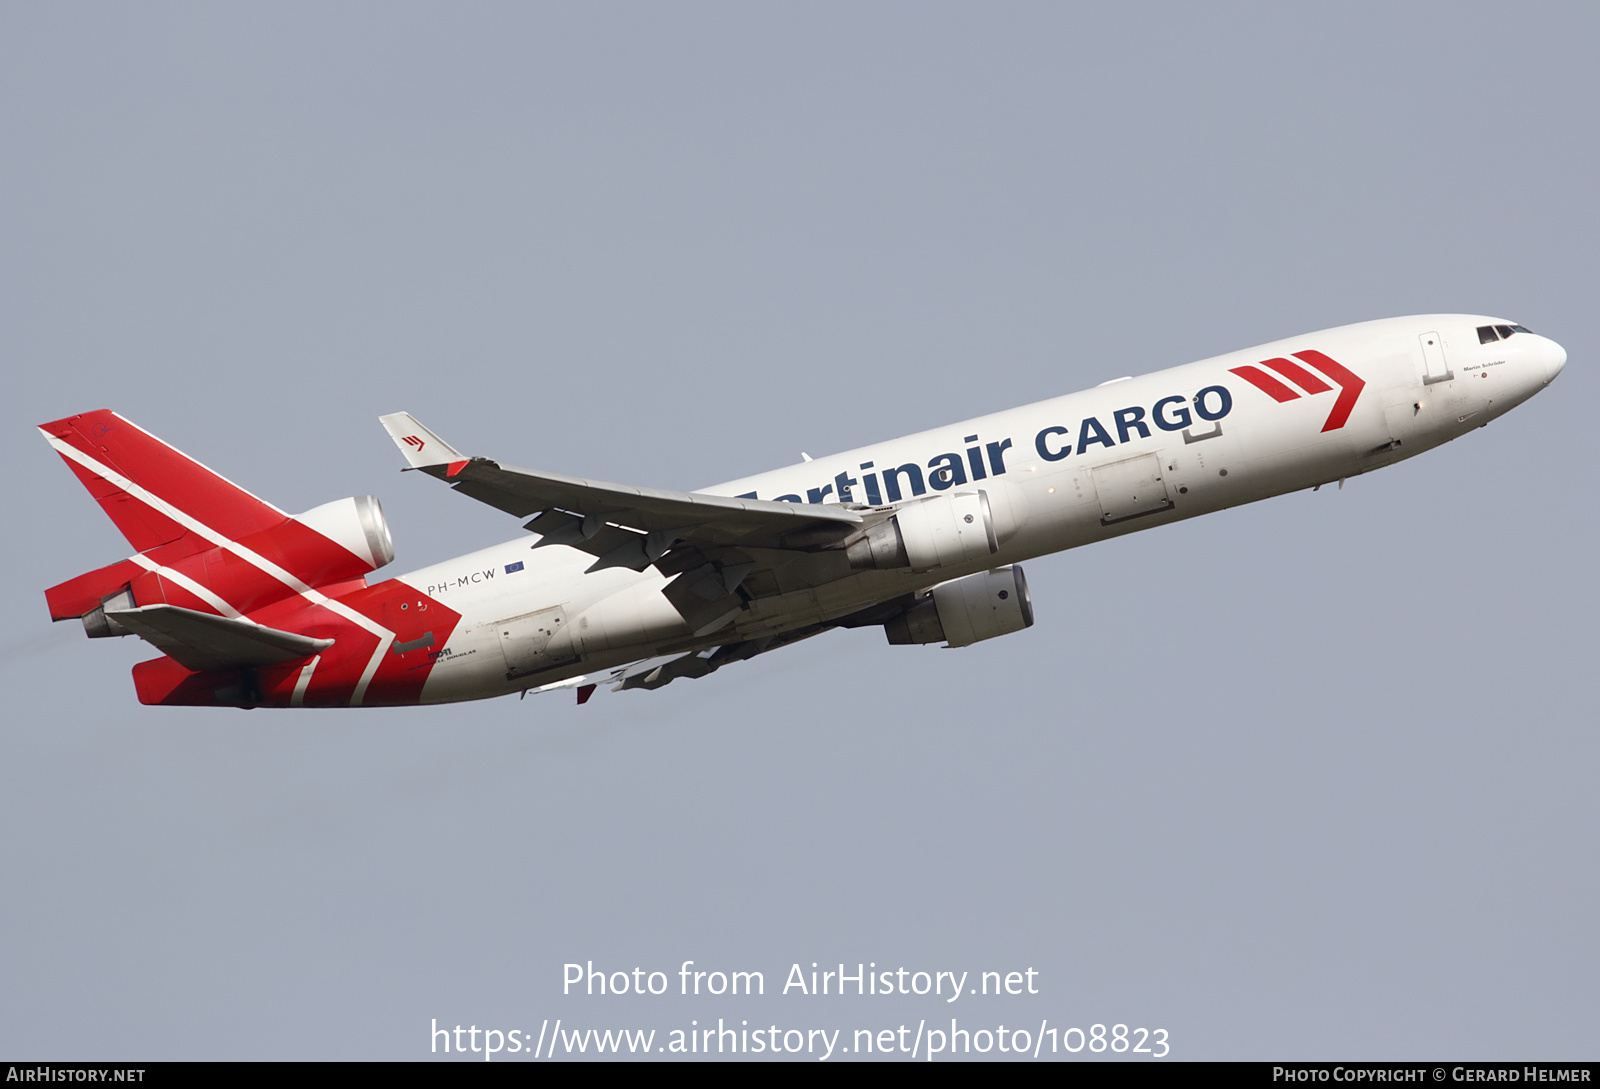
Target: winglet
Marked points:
421	447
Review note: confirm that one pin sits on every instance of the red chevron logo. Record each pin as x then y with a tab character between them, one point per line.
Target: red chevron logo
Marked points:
1350	385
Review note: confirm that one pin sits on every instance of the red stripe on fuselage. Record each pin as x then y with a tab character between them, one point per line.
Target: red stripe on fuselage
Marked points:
1297	374
1349	383
397	681
400	676
1264	382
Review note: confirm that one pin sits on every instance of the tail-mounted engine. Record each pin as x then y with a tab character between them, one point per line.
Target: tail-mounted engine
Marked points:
966	610
358	524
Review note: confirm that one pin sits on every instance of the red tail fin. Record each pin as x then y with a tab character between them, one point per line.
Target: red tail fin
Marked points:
204	543
154	493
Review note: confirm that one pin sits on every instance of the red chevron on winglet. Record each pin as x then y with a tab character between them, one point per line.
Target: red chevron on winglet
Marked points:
1349	383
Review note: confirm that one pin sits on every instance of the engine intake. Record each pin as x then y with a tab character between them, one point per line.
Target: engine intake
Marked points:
967	610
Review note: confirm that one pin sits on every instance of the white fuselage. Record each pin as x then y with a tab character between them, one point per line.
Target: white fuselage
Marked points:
1127	455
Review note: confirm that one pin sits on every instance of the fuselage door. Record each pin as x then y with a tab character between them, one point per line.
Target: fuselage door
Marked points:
535	641
1130	488
1435	367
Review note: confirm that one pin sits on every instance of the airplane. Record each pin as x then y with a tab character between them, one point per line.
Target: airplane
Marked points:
636	587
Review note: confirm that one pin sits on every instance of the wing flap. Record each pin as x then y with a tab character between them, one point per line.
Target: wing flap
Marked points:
202	641
655	673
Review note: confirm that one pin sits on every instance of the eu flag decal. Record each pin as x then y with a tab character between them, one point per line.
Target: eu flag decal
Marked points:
513	567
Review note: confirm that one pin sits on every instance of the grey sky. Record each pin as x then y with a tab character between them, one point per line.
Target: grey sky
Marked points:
1310	779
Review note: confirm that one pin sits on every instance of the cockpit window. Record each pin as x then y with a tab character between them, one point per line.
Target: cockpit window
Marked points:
1488	334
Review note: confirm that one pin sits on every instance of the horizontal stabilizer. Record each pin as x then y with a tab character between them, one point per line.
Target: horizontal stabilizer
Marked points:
202	641
420	446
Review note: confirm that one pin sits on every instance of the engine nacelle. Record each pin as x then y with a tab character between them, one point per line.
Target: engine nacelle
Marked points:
357	524
967	610
941	531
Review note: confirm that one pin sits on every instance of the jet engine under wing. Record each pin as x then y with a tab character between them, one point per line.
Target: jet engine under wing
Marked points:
202	641
621	524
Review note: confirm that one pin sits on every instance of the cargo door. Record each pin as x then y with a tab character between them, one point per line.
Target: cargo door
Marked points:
535	641
1130	488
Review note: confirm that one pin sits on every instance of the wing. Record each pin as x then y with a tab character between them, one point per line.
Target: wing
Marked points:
719	550
658	672
655	673
574	511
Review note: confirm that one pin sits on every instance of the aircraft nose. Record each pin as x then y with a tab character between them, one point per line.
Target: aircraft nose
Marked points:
1555	358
